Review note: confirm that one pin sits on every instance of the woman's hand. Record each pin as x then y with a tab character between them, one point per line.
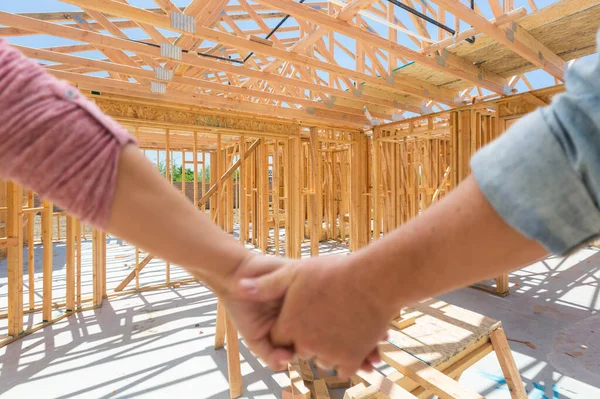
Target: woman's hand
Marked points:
325	315
255	318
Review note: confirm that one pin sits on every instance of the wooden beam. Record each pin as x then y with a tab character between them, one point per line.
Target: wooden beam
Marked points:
448	63
352	8
187	81
388	387
316	211
228	173
131	275
514	37
417	88
234	370
117	87
47	219
430	378
499	21
70	264
507	364
98	39
14	230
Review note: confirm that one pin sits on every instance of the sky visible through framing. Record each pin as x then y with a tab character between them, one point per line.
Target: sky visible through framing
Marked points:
538	79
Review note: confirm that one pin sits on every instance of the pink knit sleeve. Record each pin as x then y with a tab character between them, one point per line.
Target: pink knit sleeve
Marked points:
56	142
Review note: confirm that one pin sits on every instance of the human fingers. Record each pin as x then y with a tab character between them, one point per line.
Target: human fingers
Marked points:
274	357
268	286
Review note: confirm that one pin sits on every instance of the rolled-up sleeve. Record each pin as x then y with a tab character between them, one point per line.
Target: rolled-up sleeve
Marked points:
56	142
543	175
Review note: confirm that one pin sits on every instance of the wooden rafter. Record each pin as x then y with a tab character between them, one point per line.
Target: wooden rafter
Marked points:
450	64
416	88
303	68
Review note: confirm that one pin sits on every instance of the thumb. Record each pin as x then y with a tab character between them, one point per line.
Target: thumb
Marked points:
268	286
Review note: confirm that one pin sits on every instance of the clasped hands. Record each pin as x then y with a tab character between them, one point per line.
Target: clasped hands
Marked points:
319	308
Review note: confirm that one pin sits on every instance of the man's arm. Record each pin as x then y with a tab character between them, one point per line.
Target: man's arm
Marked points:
533	191
457	242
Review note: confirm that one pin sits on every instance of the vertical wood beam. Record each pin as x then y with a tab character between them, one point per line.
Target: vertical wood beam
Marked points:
103	262
31	250
242	194
507	364
214	178
234	370
263	192
169	177
70	264
275	187
376	185
14	230
78	268
219	173
317	192
221	327
47	218
195	150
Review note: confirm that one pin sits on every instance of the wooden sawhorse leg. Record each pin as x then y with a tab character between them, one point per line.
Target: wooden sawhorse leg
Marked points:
507	364
226	332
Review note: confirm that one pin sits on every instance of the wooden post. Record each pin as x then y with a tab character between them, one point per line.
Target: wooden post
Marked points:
242	194
183	169
233	359
195	149
169	177
137	268
230	195
31	250
78	273
317	192
14	230
98	276
507	364
47	218
275	190
103	263
263	192
295	226
220	326
70	264
376	185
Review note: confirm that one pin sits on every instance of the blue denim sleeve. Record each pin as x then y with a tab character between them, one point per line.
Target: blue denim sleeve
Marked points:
543	175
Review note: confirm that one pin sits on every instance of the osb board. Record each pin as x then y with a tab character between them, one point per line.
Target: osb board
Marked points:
570	35
545	16
441	331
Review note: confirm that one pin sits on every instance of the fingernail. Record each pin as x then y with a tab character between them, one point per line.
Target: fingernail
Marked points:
249	285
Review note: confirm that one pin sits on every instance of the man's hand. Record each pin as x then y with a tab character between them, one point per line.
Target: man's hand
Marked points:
255	319
325	316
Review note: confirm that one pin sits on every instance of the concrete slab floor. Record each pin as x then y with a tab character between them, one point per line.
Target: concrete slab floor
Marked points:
159	344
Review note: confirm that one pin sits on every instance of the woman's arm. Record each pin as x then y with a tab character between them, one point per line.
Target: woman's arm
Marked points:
56	142
148	212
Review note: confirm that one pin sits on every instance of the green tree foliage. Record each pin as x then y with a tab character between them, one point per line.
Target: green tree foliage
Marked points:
189	174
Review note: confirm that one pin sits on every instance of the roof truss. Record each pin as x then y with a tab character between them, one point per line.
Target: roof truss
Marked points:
352	62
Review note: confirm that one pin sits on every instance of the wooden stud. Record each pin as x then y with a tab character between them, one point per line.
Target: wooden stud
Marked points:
14	229
78	267
70	264
47	219
316	190
169	177
31	250
221	326
507	364
233	360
